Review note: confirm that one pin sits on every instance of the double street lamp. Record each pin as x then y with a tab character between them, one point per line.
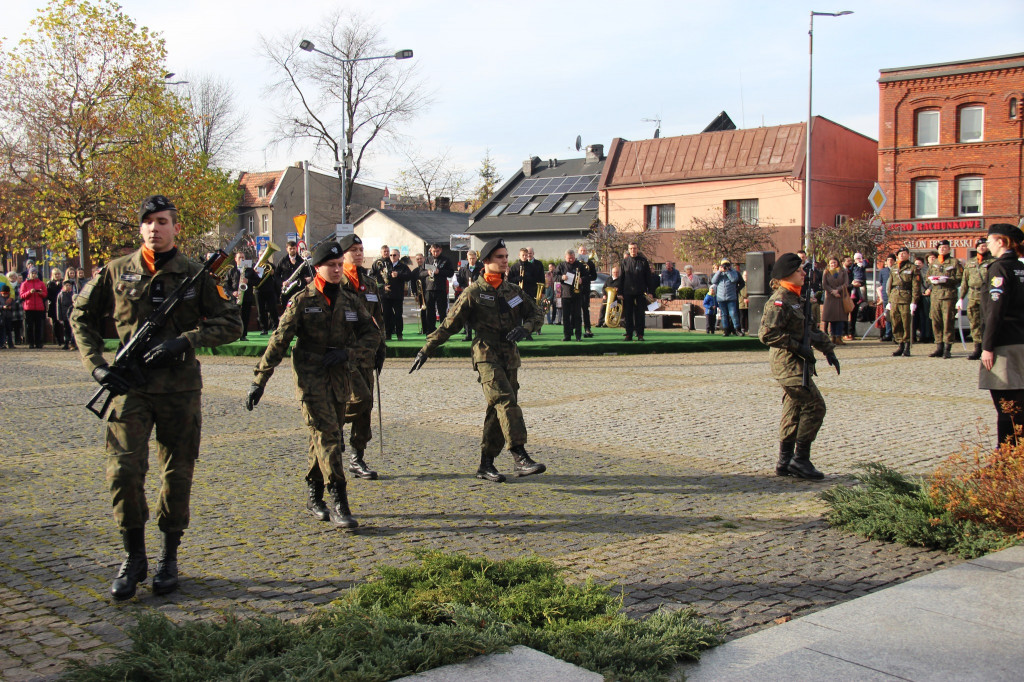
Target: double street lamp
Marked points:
346	152
807	155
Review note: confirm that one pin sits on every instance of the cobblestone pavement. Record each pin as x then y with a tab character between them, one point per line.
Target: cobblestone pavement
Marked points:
659	479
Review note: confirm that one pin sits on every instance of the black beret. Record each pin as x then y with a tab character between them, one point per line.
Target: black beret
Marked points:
348	241
1007	230
787	264
979	241
902	249
490	247
155	204
943	242
326	251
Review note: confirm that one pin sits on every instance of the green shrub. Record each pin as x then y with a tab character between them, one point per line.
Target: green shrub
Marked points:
699	294
685	293
893	507
661	291
444	609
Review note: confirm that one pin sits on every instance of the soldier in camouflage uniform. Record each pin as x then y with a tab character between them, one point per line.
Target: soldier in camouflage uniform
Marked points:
803	408
359	412
975	274
130	288
944	276
904	292
502	315
334	330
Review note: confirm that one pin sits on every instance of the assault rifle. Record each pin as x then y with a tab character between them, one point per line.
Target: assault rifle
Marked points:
807	300
297	281
128	361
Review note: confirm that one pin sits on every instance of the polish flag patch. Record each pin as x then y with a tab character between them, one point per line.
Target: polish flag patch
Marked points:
778	304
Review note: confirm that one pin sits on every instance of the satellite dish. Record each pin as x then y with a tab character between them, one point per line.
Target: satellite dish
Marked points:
579	142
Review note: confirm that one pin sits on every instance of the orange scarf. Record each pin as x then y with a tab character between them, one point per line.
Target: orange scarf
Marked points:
351	271
942	259
319	283
149	259
980	258
790	286
493	278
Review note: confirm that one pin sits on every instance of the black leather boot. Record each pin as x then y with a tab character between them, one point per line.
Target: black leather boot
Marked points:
315	505
801	465
899	351
165	580
785	455
976	355
525	466
341	516
906	351
946	350
133	570
487	472
357	467
940	348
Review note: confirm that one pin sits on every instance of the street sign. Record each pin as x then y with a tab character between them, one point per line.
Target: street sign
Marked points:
261	244
343	230
877	198
459	242
292	236
300	223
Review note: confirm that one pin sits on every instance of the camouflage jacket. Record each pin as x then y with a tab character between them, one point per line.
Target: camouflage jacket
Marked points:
975	274
904	284
953	270
126	291
368	293
782	329
319	327
492	313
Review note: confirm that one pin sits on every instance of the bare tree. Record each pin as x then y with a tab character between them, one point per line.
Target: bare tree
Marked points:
851	236
716	236
378	94
218	128
431	178
608	243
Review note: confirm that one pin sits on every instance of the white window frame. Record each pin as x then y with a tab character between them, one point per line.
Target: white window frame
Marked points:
252	224
918	127
265	224
918	185
261	191
981	123
960	189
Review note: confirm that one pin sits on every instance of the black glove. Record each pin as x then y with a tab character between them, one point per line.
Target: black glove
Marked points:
164	353
111	379
421	359
517	334
378	360
253	399
334	356
806	352
833	361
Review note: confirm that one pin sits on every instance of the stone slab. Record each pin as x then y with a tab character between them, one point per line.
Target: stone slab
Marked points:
520	664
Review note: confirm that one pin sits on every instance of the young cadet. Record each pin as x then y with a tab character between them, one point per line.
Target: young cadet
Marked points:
359	412
130	288
501	315
333	330
803	408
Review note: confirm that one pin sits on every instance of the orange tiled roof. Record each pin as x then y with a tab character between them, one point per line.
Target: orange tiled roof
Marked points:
728	153
250	184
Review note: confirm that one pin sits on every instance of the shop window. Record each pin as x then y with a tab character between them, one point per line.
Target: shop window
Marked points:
926	198
744	209
660	217
927	127
968	196
972	124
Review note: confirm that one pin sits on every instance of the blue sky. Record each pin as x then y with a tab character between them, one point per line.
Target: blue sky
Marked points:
525	78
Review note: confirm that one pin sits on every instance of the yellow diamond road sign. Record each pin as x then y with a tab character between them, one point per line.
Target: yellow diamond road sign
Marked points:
877	198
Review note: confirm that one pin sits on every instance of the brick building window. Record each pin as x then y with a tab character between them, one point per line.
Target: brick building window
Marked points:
968	196
1013	107
744	209
972	124
926	198
660	217
927	127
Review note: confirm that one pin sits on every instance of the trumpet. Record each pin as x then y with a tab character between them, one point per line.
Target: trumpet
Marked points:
613	309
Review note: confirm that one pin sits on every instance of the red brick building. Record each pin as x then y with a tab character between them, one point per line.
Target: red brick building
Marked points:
951	149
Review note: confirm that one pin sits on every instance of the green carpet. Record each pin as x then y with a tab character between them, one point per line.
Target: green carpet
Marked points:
547	344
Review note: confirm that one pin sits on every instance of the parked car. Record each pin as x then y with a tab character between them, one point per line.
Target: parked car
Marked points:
598	285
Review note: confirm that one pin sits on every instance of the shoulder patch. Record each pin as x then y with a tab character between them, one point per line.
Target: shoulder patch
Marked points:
997	281
223	294
778	304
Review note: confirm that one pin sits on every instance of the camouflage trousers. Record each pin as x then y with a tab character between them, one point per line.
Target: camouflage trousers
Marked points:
944	320
178	421
803	411
324	418
902	323
359	411
976	319
503	422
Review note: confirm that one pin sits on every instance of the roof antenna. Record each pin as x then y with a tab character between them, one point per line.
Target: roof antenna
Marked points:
657	121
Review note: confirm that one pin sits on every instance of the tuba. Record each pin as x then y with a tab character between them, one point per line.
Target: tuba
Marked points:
613	312
264	262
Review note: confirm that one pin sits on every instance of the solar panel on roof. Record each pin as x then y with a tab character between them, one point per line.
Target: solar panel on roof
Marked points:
590	205
549	202
524	187
517	205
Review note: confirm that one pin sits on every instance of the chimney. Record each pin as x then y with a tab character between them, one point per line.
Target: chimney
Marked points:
444	204
595	153
530	165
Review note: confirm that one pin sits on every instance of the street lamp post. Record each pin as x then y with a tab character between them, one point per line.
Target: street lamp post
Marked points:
308	46
807	155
